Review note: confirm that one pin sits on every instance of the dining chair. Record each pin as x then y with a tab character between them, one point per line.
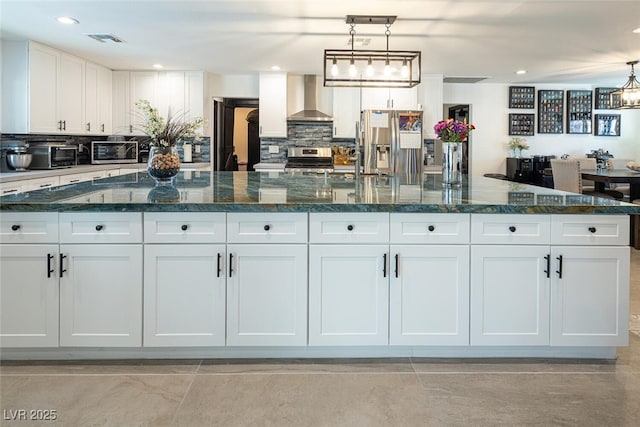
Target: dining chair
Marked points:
567	176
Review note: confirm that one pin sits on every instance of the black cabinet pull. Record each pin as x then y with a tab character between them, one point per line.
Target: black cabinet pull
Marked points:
99	227
15	227
350	227
548	259
230	265
512	229
431	228
559	271
62	270
49	269
267	227
184	227
219	259
592	229
397	264
384	265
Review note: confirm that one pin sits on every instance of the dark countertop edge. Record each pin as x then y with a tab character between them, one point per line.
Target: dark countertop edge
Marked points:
338	208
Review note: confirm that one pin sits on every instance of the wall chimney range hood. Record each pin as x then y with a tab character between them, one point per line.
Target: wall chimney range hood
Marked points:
310	112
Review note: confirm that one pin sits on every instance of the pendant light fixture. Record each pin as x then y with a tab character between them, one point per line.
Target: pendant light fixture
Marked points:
371	68
628	96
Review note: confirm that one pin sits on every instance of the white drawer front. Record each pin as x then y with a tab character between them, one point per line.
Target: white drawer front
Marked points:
349	227
510	229
185	227
101	227
31	227
590	230
429	228
267	227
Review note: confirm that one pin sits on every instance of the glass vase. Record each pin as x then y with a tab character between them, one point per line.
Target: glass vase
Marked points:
163	164
451	163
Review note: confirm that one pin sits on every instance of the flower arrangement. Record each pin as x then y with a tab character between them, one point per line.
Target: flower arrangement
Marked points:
518	144
166	133
452	130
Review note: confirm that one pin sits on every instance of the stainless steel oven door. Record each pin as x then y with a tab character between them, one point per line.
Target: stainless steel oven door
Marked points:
103	152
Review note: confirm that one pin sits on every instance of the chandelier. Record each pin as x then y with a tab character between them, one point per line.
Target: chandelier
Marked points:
371	68
628	96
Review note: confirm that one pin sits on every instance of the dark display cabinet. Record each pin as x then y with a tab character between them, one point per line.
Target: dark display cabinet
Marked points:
521	124
521	96
603	98
579	117
550	111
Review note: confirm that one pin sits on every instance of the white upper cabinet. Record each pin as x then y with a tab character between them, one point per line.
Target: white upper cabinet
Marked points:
273	105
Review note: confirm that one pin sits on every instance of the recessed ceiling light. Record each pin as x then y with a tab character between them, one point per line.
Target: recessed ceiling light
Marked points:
275	68
637	30
157	66
67	20
521	72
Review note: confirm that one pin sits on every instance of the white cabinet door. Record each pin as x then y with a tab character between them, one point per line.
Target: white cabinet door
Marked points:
589	296
101	295
509	295
429	295
346	111
43	89
121	111
273	105
266	295
71	94
184	295
28	296
348	295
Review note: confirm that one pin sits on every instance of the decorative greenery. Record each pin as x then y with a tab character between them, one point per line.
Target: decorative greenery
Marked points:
166	133
452	130
518	144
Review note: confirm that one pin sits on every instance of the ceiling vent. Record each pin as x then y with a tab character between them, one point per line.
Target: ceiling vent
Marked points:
102	38
464	79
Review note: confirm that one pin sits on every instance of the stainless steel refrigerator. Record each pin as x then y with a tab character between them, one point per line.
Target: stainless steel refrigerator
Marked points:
392	142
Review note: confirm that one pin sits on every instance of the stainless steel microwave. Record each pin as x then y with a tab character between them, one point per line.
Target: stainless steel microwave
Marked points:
103	152
52	156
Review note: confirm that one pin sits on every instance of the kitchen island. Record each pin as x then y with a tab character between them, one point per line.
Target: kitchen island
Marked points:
248	264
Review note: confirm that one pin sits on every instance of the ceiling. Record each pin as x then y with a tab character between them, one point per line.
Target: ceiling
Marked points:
556	41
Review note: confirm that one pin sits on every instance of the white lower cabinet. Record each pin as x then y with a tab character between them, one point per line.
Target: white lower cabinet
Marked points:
267	295
589	296
184	295
28	295
348	295
101	295
509	295
429	295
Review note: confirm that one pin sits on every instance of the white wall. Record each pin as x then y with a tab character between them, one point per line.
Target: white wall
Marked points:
490	114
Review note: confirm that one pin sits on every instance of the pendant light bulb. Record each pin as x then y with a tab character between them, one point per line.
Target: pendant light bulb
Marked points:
353	71
369	69
334	68
405	70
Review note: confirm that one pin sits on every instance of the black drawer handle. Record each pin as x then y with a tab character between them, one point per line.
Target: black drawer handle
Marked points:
350	227
431	228
512	229
267	227
184	227
15	227
99	227
592	229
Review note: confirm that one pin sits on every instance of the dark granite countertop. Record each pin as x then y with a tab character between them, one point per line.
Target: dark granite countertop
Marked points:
203	191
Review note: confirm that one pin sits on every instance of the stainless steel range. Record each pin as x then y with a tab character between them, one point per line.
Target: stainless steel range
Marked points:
309	159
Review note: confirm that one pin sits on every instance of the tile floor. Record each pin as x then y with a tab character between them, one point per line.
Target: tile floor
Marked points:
363	392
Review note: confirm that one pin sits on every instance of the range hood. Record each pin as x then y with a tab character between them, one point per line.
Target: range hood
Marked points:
310	112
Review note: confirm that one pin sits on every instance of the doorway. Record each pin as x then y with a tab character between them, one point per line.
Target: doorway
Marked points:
461	113
236	144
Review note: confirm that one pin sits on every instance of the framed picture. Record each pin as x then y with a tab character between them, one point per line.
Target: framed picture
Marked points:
521	124
521	96
603	98
607	124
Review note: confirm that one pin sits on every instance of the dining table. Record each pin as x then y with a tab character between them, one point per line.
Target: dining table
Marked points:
600	177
